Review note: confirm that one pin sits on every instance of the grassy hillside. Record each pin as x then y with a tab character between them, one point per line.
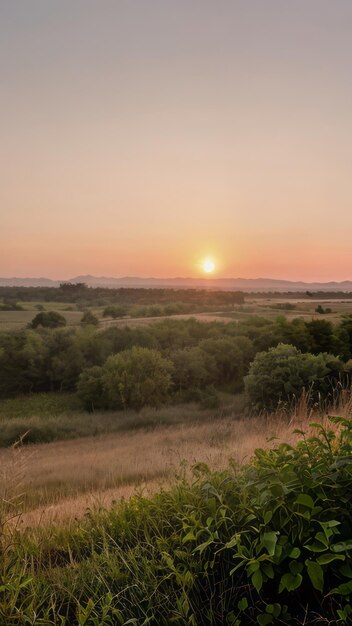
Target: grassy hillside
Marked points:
268	543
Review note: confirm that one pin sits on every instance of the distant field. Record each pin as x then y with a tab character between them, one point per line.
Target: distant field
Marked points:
264	307
15	320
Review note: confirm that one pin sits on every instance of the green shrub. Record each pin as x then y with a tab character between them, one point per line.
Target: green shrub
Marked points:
48	319
282	373
131	379
90	388
89	319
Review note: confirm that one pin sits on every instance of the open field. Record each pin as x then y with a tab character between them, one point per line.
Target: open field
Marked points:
305	309
59	481
16	320
46	417
264	307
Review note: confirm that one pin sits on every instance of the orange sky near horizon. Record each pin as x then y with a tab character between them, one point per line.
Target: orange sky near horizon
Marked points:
139	138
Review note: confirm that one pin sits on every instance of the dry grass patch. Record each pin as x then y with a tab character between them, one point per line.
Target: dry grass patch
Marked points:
60	480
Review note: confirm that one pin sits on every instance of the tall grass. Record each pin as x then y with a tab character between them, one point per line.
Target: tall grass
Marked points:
265	543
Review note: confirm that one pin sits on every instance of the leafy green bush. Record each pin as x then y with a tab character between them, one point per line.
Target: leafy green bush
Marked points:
89	319
269	543
282	373
131	379
48	319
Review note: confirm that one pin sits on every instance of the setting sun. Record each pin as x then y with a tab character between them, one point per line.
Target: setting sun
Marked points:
208	266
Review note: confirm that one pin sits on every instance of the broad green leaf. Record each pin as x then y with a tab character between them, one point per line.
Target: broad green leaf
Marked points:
305	500
290	582
264	619
324	559
243	604
316	575
257	580
269	541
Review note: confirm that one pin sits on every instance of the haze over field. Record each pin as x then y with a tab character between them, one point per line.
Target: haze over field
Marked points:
139	138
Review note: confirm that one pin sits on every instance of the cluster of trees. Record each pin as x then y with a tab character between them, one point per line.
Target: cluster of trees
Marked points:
151	310
198	355
47	359
79	293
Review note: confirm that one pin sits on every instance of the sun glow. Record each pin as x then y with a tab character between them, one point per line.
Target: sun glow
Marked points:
208	266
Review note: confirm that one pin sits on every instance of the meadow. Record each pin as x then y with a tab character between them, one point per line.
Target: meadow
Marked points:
165	469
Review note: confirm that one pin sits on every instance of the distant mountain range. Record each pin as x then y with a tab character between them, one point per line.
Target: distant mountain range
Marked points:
229	284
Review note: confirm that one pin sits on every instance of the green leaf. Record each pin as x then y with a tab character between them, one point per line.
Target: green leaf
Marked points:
267	517
269	541
257	580
324	559
243	604
290	582
264	619
316	575
295	553
342	546
305	500
274	609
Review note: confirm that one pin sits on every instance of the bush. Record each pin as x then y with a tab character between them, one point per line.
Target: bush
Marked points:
88	319
282	373
90	388
114	311
49	319
131	379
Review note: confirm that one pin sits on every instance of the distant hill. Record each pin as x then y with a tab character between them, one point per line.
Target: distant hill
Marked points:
242	284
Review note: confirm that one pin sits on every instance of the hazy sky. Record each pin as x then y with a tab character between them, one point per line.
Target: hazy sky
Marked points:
138	136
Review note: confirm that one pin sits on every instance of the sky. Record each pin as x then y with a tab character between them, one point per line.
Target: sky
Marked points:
140	137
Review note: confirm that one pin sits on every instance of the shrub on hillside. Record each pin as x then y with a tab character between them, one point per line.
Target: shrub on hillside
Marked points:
114	311
282	373
89	319
131	379
48	319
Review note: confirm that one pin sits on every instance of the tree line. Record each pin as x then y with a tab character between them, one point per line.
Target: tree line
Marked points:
81	294
193	356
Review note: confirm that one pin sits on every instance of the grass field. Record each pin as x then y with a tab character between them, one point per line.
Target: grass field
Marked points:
59	481
44	417
264	307
16	320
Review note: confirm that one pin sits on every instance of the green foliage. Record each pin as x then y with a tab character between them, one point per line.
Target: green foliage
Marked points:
268	543
282	373
203	354
90	388
131	379
48	319
114	311
88	319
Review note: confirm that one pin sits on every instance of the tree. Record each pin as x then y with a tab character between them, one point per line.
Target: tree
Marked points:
190	368
49	319
89	319
137	377
90	388
114	311
131	379
229	357
282	373
321	336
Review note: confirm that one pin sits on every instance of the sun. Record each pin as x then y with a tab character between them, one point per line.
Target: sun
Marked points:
208	266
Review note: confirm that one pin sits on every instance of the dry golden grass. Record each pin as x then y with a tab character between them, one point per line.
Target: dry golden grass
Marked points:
146	321
59	481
